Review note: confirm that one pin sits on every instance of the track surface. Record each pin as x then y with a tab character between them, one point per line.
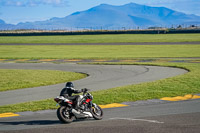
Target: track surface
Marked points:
173	117
100	77
162	117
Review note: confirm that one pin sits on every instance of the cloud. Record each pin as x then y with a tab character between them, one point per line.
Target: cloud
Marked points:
30	3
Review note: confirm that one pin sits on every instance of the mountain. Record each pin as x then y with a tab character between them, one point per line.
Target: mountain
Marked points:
4	26
115	17
2	22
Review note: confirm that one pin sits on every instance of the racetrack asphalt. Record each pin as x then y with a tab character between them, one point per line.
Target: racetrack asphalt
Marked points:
173	117
160	117
100	77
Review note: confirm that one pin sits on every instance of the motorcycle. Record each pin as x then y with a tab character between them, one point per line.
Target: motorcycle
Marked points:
67	113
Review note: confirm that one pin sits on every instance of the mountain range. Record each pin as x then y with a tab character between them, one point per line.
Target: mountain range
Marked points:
107	16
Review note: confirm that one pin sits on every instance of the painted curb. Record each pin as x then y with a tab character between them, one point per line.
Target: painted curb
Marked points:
181	98
8	115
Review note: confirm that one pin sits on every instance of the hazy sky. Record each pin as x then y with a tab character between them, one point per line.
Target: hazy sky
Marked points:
15	11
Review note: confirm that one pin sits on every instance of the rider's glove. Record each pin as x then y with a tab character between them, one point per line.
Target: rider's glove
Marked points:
84	90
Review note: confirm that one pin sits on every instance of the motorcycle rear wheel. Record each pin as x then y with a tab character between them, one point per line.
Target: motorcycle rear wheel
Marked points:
97	112
64	115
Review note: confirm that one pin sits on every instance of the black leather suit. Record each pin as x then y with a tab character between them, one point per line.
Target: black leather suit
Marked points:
67	93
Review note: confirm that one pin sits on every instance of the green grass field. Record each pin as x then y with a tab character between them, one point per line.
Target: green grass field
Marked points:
97	52
12	79
179	85
103	38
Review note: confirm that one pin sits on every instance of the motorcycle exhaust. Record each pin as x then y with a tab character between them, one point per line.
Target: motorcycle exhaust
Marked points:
81	115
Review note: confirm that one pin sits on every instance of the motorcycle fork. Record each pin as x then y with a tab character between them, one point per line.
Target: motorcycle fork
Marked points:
90	104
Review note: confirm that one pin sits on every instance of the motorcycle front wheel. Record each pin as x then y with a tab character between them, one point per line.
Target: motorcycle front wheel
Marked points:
97	112
64	115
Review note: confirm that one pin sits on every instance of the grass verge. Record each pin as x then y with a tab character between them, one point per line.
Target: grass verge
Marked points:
179	85
12	79
97	51
170	87
117	38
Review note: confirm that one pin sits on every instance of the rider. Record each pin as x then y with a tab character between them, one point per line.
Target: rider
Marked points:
69	90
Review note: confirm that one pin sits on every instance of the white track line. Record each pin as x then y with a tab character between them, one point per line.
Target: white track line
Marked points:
129	119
